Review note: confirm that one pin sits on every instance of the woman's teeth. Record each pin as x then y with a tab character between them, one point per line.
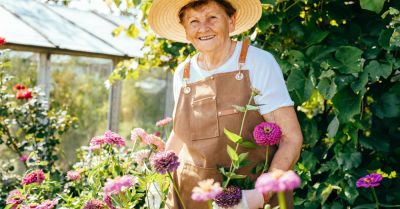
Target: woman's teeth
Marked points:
206	38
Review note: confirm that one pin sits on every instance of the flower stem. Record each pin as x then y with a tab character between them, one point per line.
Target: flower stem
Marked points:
209	203
281	199
176	190
389	206
375	197
266	160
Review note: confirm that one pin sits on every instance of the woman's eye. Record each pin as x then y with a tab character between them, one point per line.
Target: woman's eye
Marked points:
194	21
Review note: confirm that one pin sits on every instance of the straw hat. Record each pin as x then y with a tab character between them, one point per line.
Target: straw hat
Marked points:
164	18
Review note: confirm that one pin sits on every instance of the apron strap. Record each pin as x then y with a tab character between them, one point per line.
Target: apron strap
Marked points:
243	53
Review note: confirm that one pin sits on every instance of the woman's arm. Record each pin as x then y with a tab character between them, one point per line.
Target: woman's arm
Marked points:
174	144
291	142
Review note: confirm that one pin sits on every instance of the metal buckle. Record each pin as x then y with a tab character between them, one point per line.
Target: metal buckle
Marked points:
186	90
239	76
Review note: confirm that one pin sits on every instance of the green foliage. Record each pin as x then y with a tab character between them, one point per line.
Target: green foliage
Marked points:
341	61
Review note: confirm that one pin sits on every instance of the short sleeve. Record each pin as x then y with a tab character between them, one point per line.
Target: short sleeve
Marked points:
177	81
267	77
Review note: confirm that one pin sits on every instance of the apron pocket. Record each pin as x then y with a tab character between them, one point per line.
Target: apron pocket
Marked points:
204	119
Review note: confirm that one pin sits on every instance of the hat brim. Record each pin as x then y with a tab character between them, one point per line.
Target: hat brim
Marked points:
164	18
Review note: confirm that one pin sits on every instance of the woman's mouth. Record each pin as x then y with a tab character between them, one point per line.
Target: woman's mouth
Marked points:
206	38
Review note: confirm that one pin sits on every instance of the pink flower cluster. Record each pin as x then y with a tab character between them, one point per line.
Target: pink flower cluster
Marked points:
36	176
23	158
108	201
141	156
115	186
277	181
15	198
164	122
95	204
2	41
22	92
207	190
47	204
371	180
109	137
73	175
147	139
267	133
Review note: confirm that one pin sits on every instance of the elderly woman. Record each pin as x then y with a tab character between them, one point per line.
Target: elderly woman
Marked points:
206	86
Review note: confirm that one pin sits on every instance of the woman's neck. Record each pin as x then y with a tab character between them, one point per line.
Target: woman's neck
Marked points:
214	59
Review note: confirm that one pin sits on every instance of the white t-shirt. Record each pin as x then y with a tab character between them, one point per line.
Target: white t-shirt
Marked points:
265	75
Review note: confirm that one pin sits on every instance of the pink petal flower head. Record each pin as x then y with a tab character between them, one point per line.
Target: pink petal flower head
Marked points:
207	190
371	180
73	175
138	133
97	141
36	176
291	180
23	158
94	148
140	156
114	139
267	133
156	141
2	41
115	186
277	181
164	122
24	94
95	204
15	198
164	162
108	201
229	197
48	204
31	206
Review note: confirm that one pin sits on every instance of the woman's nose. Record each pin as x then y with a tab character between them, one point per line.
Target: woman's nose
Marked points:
204	26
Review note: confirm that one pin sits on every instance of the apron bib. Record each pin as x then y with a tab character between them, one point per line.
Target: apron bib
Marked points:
204	109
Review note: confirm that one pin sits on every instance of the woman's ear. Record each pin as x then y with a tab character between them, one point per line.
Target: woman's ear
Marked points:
232	23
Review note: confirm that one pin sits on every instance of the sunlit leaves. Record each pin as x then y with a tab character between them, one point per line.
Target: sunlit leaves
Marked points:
372	5
347	104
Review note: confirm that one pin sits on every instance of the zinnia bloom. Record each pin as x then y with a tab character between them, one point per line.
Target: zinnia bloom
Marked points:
115	186
114	139
141	156
277	181
24	94
2	41
48	204
207	190
95	204
23	158
156	141
19	87
15	198
138	133
73	175
97	141
165	161
229	197
164	122
36	176
267	133
108	201
31	206
371	180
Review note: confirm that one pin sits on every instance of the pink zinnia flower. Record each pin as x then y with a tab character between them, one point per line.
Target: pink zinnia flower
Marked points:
277	181
23	158
114	139
164	162
108	201
2	41
267	133
115	186
229	197
48	204
73	175
97	141
15	198
36	176
164	122
207	190
95	204
371	180
141	156
94	147
31	206
156	141
24	94
138	133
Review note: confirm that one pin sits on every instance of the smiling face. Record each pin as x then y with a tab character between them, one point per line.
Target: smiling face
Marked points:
208	27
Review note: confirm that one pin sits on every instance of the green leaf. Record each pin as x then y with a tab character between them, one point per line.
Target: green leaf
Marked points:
239	108
388	105
327	88
372	5
251	107
325	193
333	127
309	160
232	153
132	31
350	191
365	206
358	85
350	59
236	176
347	104
348	159
243	156
300	84
248	144
377	70
232	136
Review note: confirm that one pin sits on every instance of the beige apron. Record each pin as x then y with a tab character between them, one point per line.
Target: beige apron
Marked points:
204	109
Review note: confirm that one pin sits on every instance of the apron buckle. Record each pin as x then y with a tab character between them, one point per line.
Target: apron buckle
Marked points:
239	76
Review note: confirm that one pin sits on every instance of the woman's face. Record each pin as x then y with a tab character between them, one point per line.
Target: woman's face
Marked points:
208	27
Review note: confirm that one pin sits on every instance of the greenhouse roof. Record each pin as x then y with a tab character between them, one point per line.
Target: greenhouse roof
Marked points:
34	26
